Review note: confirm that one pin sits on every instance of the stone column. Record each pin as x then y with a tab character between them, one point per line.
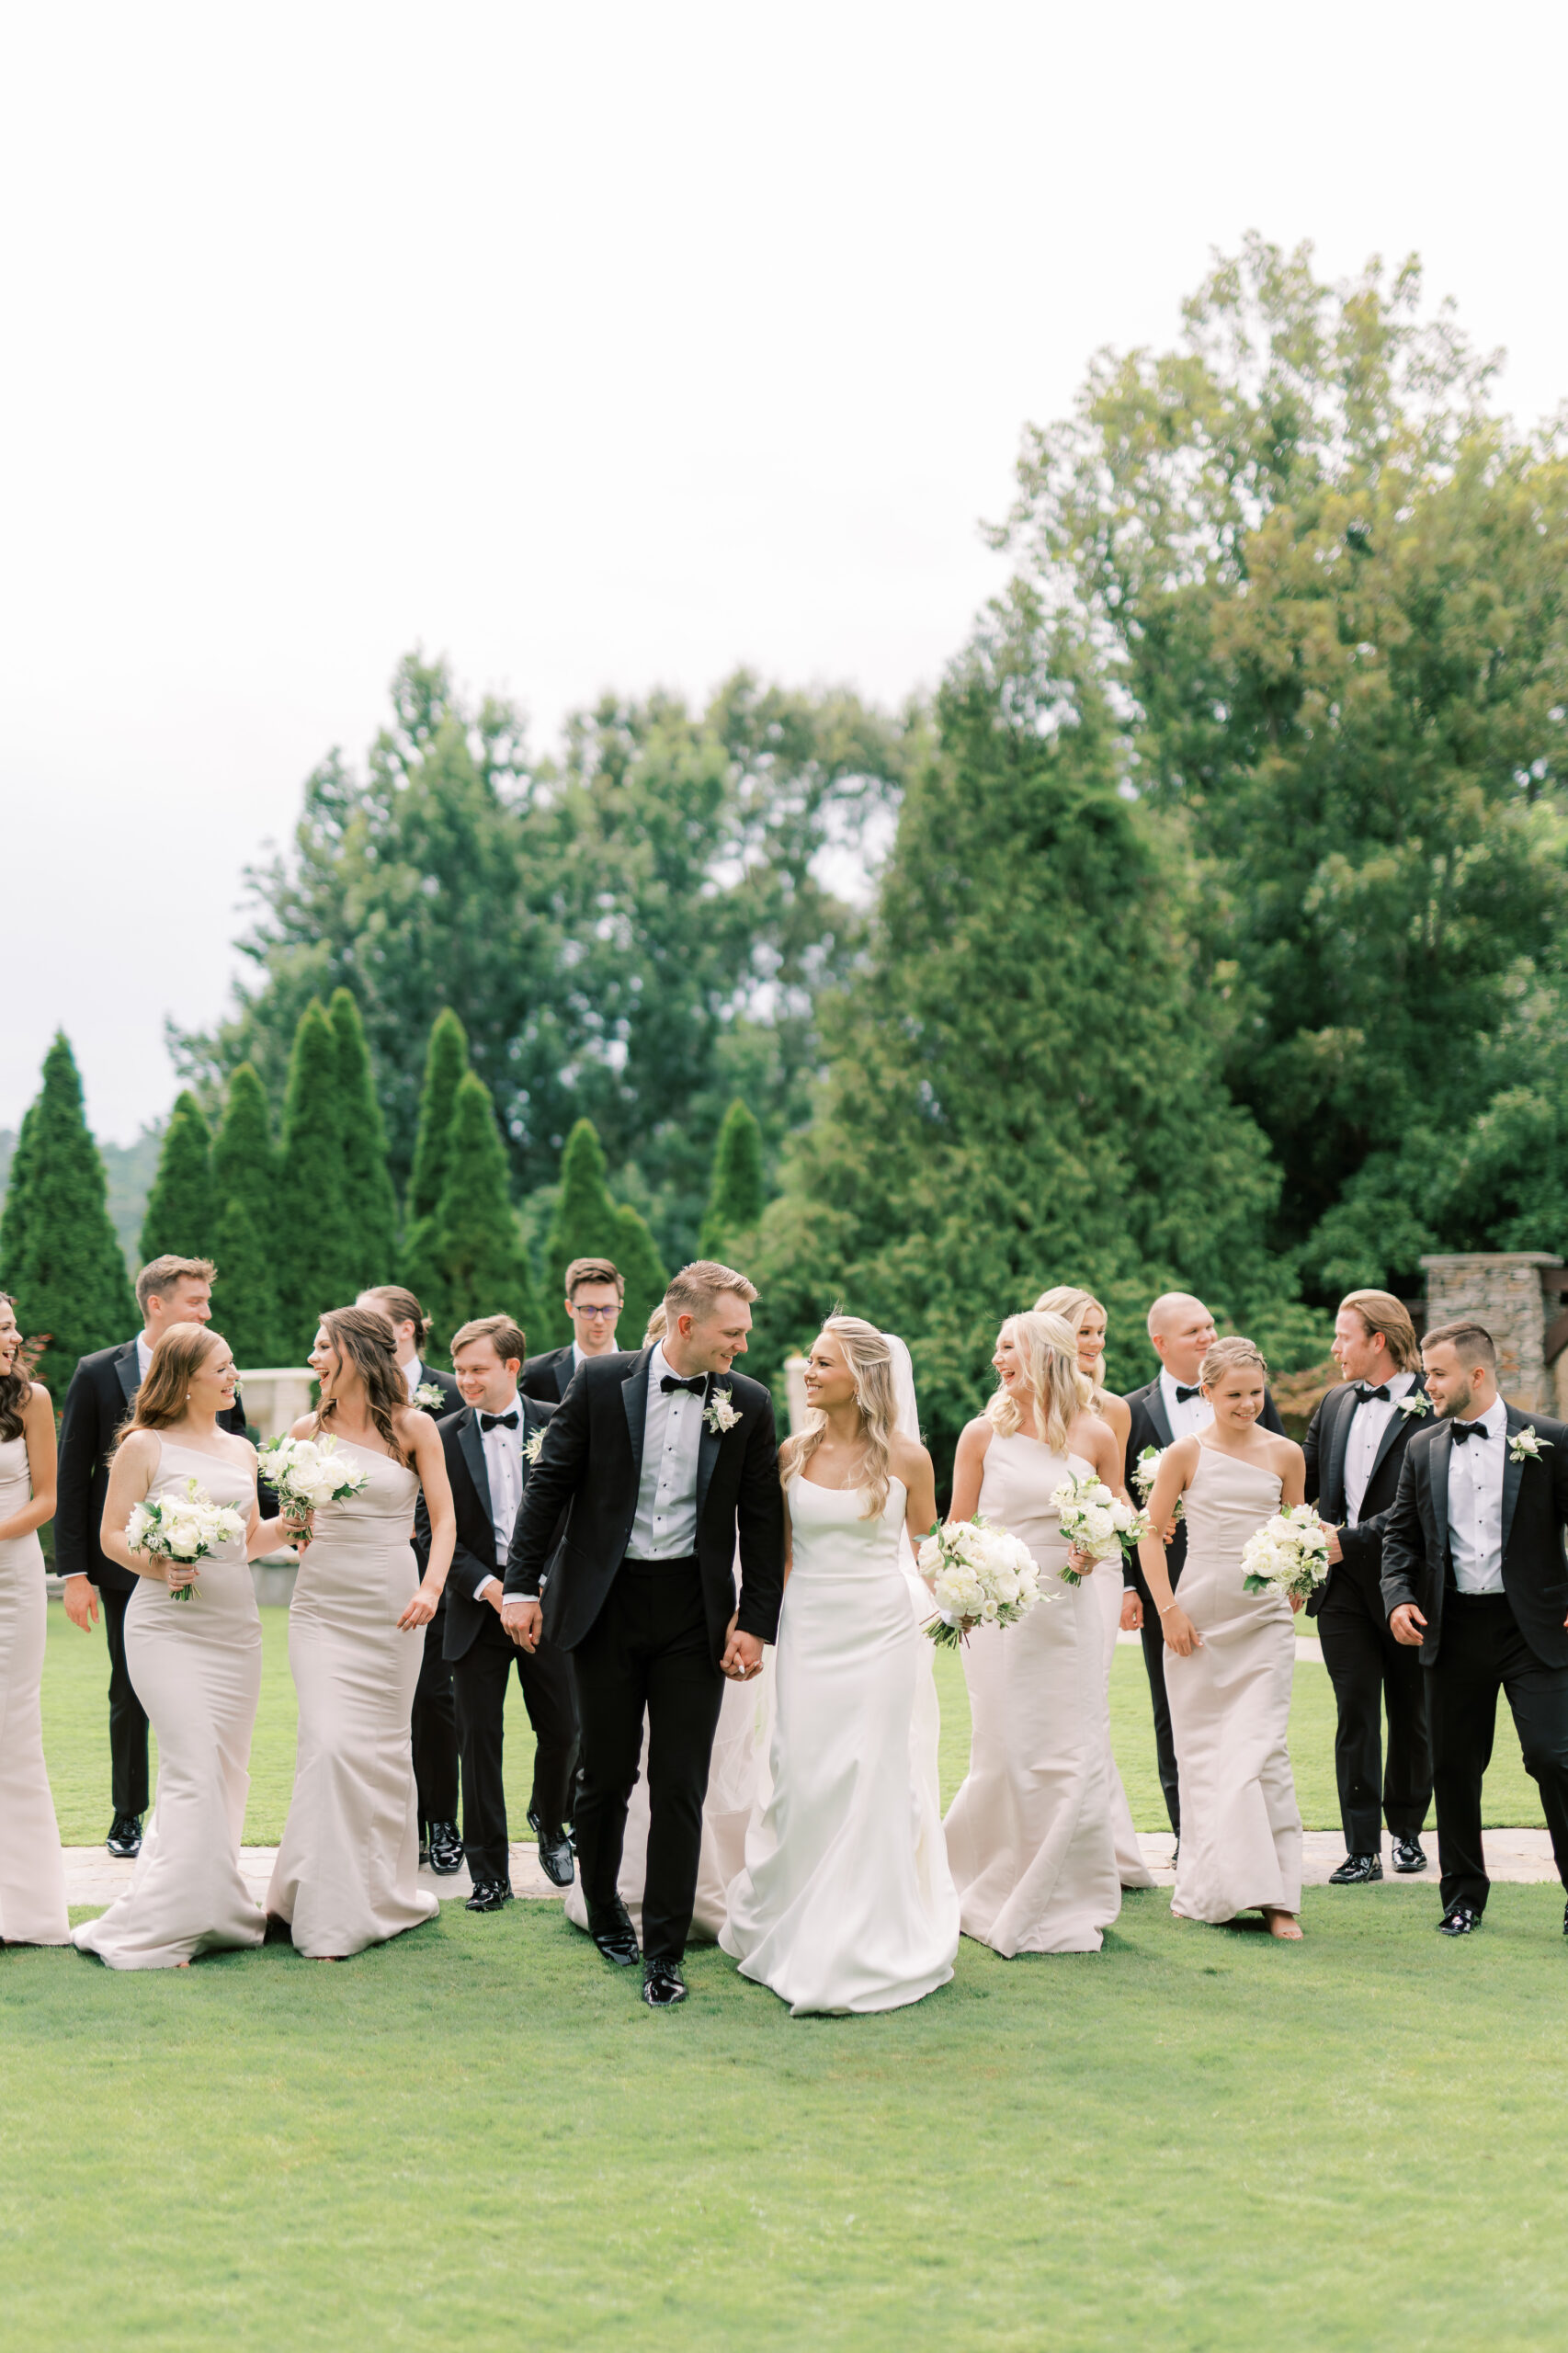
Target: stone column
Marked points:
1503	1290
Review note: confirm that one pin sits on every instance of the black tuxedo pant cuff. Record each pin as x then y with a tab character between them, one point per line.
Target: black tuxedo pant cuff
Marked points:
1481	1653
1154	1640
433	1727
127	1717
479	1680
649	1651
1371	1671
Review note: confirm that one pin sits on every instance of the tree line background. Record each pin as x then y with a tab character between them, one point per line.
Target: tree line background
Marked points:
1215	935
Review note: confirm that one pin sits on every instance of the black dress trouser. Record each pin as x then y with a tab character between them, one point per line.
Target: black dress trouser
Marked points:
433	1729
1154	1641
479	1682
1371	1671
1481	1653
127	1717
648	1649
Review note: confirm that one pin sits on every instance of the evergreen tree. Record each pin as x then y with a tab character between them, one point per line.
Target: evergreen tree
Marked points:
245	1297
315	1255
445	1060
182	1216
368	1200
637	1256
479	1243
244	1163
67	1273
586	1223
736	1196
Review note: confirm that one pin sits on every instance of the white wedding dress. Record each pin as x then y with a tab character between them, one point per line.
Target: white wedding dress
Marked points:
845	1903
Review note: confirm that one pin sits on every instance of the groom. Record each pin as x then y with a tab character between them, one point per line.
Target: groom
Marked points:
664	1458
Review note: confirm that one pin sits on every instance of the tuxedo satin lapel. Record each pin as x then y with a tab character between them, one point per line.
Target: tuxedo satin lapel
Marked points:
707	1453
1396	1422
1154	1406
634	1397
130	1377
1512	1473
1339	1442
471	1438
564	1368
1437	1473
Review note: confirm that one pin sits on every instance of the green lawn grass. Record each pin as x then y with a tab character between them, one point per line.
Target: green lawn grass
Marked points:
76	1724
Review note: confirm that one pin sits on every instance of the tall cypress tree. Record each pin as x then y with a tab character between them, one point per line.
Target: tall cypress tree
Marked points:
736	1196
369	1202
245	1297
13	1219
636	1254
314	1256
446	1062
68	1273
479	1243
586	1223
244	1163
181	1217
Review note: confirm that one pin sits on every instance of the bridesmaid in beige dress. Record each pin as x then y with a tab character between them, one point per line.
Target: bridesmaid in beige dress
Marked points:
1230	1656
347	1869
1031	1842
1119	1605
196	1665
32	1869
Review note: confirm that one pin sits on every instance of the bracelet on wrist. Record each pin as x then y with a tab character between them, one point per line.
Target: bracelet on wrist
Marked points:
1169	1606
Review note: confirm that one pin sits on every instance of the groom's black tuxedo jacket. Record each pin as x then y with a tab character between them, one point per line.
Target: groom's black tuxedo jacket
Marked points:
1416	1564
591	1465
102	1391
474	1556
1150	1426
1328	1436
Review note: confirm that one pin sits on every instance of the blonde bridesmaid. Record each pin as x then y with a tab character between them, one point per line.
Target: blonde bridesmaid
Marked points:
32	1869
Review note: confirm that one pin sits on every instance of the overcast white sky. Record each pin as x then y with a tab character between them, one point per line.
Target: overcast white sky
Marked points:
608	346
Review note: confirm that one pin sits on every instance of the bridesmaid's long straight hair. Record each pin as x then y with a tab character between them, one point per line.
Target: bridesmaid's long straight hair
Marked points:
1049	1348
869	1360
179	1355
363	1339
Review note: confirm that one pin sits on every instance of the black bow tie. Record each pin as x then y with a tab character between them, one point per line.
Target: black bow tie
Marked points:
697	1384
499	1421
1367	1394
1463	1430
1183	1392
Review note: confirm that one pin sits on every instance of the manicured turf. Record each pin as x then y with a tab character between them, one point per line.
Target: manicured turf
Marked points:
76	1738
476	2137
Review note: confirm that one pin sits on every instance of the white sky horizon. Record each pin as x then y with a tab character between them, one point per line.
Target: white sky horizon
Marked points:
603	354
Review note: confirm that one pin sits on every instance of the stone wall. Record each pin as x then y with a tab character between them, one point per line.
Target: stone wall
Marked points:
1504	1290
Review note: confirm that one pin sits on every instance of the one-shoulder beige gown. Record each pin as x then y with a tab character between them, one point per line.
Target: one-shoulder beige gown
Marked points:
32	1869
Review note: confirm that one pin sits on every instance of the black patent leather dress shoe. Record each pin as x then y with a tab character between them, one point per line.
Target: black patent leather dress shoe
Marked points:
446	1849
125	1835
489	1895
612	1931
663	1985
1356	1871
1460	1920
555	1857
1409	1855
540	1833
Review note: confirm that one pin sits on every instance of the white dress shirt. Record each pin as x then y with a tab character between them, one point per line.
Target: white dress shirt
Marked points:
413	1373
1475	1503
1368	1423
143	1358
1194	1414
664	1528
503	1468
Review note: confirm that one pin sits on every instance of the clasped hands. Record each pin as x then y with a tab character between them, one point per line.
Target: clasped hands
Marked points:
524	1620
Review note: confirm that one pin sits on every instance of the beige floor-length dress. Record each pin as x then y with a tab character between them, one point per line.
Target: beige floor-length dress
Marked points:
1131	1868
1230	1702
347	1869
1029	1833
32	1869
196	1666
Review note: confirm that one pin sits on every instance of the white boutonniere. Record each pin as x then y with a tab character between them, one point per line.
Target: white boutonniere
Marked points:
1416	1406
720	1412
533	1447
1526	1445
428	1394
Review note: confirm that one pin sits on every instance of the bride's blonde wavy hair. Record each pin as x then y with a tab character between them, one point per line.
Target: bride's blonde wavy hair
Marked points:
869	1360
1073	1305
1049	1346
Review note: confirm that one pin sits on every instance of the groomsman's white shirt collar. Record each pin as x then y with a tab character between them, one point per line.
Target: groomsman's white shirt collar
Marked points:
1475	1503
413	1373
503	1468
143	1357
1367	1424
1191	1416
664	1528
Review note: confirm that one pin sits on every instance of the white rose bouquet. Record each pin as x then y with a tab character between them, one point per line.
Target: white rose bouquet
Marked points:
305	1472
1146	1471
1289	1554
182	1528
1095	1521
978	1575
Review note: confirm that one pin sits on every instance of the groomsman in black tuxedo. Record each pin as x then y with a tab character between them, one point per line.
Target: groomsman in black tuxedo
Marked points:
488	1444
1355	1451
1180	1332
1475	1577
595	1296
665	1458
433	1724
103	1388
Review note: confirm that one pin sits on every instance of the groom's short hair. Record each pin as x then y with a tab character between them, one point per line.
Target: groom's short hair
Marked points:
1472	1343
695	1289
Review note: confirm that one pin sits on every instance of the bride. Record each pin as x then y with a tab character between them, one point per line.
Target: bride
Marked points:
845	1901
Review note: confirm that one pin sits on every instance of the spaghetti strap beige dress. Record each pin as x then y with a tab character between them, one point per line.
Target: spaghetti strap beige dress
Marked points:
1031	1839
32	1869
347	1869
1131	1868
1230	1702
196	1666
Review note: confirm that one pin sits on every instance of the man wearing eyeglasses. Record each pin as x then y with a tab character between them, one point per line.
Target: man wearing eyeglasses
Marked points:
595	1294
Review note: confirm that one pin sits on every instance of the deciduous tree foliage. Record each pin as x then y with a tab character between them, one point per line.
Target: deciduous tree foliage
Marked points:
62	1259
483	1265
182	1218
